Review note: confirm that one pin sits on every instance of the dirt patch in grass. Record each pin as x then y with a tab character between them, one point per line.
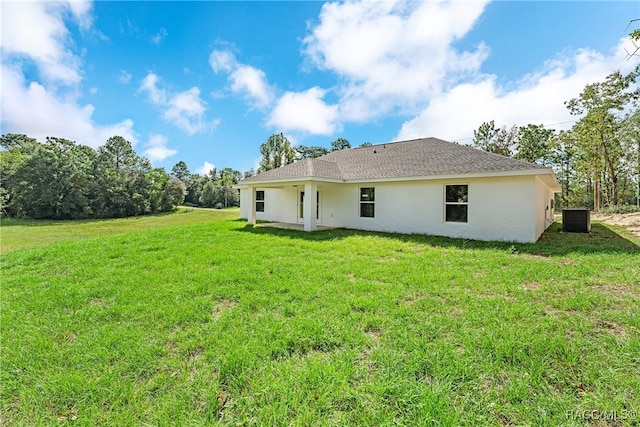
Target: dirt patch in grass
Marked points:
617	289
456	312
221	306
631	221
540	256
531	286
364	356
506	420
609	327
410	300
373	332
196	353
101	302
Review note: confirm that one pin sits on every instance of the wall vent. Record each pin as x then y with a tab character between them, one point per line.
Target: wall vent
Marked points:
576	220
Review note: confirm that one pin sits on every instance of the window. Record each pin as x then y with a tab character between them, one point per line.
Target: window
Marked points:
456	203
301	205
367	202
260	201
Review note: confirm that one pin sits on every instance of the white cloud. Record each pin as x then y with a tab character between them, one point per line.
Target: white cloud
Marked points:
222	60
400	57
81	10
305	112
150	86
159	36
124	77
48	105
156	148
411	59
389	57
246	80
538	98
33	109
185	110
37	30
205	168
252	82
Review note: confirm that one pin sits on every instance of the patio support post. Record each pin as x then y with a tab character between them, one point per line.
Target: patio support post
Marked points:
251	220
310	194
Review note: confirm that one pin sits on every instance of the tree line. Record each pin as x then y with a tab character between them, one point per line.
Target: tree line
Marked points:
211	190
59	179
597	161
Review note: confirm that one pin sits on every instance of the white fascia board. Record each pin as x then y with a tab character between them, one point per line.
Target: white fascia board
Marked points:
527	172
280	182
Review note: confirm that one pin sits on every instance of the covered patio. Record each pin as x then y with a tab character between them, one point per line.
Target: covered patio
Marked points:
308	208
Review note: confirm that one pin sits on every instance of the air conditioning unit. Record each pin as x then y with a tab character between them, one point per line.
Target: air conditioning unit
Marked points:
576	220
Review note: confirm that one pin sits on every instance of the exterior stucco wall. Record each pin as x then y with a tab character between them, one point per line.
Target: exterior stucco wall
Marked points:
501	208
544	211
244	203
498	209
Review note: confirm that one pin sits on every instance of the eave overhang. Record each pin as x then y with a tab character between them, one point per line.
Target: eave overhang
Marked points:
545	174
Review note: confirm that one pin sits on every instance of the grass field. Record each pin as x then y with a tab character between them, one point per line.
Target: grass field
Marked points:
195	318
24	233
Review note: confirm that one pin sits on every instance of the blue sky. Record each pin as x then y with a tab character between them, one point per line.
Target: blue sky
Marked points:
208	82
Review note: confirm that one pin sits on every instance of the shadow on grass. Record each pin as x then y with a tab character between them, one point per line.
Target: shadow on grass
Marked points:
602	239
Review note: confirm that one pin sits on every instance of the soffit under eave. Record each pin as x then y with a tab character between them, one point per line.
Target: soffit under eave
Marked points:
288	182
551	181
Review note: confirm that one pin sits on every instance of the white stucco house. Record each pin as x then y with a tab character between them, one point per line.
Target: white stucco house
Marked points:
425	186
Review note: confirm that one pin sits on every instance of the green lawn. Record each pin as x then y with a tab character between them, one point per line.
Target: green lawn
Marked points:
21	233
210	321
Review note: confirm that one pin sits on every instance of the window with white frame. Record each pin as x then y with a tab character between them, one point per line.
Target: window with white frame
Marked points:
301	205
367	202
260	201
456	203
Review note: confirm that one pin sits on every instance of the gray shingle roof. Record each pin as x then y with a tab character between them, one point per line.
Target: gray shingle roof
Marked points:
403	159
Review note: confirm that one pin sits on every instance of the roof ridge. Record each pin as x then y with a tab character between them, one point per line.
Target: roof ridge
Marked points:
332	162
310	168
394	142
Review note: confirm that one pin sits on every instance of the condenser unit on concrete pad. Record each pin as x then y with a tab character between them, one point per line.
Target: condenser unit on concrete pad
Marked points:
576	220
